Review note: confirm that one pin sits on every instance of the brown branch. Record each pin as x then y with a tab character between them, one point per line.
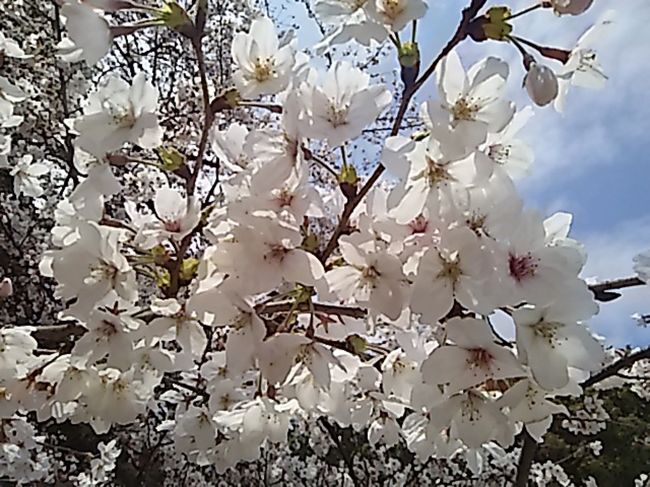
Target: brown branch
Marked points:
461	33
602	290
526	457
331	309
613	368
208	116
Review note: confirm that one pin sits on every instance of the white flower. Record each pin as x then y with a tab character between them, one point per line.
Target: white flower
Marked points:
527	403
428	178
175	323
541	83
550	342
397	14
26	176
10	48
470	106
5	150
372	278
266	253
351	19
263	66
542	272
91	267
582	68
175	218
473	358
89	33
456	270
9	94
119	113
109	335
344	105
642	266
474	419
502	151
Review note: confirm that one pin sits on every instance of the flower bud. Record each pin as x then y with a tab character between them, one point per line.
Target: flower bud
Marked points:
541	84
6	288
409	60
571	7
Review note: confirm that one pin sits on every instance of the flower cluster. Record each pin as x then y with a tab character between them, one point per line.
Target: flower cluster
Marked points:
239	312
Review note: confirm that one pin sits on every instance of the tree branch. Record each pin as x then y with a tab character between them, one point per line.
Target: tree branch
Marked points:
602	290
526	457
613	368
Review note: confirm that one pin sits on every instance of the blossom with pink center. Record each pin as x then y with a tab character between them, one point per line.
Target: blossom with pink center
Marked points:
473	358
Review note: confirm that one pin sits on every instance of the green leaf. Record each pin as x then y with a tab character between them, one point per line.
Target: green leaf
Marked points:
172	159
496	27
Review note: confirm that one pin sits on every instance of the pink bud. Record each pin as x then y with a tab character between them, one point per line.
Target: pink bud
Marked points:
541	84
6	288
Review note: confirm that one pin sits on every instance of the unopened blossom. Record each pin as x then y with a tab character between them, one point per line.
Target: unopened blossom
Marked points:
263	66
541	84
471	104
345	104
549	341
26	174
6	288
118	113
571	7
471	359
88	31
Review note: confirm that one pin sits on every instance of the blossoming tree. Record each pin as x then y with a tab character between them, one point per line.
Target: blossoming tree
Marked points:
221	270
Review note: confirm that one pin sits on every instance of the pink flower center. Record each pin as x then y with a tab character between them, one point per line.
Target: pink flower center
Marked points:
479	357
522	266
173	226
419	225
284	199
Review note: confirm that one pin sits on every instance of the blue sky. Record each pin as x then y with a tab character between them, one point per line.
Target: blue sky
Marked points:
593	160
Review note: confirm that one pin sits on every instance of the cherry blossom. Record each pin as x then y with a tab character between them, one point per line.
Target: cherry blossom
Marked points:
344	105
119	113
263	65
